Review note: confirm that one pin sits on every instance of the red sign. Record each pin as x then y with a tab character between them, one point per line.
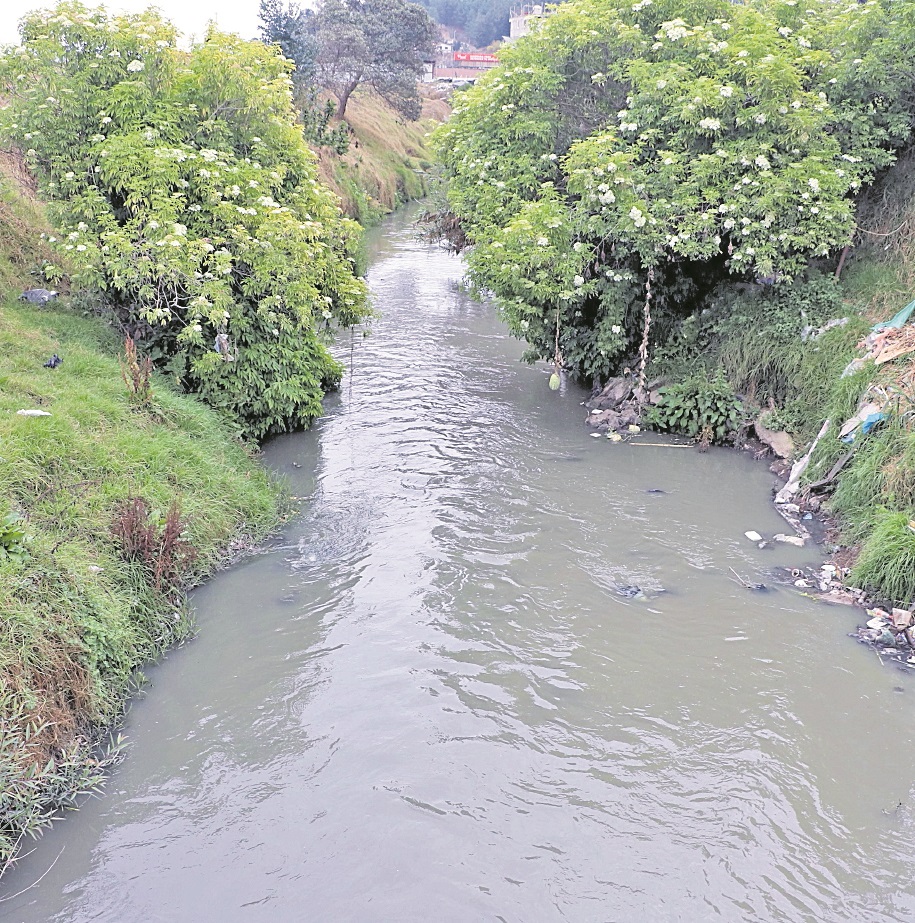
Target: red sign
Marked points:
473	58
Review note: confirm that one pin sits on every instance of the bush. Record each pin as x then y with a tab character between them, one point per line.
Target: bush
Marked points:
188	196
703	408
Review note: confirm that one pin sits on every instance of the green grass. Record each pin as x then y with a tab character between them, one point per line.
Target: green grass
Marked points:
886	564
76	621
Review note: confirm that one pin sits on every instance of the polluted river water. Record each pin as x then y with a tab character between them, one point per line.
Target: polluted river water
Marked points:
489	672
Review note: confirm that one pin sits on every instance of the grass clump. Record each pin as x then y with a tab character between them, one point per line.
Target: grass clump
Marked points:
886	564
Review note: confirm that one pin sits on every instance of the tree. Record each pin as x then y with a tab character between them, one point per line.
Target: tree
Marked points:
188	198
635	155
377	43
293	30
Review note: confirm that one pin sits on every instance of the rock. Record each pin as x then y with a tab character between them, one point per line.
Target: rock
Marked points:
789	539
780	442
604	419
614	392
902	619
753	536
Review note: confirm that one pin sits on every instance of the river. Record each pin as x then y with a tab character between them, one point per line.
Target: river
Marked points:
433	698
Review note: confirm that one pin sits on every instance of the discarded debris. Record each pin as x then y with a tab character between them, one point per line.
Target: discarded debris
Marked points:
53	362
32	413
789	539
753	536
38	296
747	584
868	415
794	479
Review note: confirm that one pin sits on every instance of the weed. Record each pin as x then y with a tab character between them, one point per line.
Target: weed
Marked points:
137	373
706	409
12	538
163	552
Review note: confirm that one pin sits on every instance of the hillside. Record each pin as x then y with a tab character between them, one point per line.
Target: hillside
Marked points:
388	159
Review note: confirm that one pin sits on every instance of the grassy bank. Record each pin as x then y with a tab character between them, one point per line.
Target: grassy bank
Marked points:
388	158
81	608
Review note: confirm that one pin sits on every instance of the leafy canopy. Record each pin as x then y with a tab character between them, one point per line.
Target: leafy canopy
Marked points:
187	195
377	43
701	143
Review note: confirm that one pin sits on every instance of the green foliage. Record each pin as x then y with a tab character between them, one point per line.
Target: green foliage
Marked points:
189	197
881	476
886	565
32	794
719	144
377	43
12	537
701	407
293	29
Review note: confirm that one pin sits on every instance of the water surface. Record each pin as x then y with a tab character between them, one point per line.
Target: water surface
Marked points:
432	699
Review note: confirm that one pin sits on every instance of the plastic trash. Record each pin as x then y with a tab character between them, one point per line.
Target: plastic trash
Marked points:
868	416
37	296
53	362
897	320
854	366
32	413
753	536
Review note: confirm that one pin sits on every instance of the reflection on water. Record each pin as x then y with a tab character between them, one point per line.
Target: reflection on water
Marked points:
488	675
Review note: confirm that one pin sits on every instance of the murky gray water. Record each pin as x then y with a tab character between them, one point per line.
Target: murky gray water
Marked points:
430	702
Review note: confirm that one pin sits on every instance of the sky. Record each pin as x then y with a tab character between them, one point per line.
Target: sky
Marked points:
190	16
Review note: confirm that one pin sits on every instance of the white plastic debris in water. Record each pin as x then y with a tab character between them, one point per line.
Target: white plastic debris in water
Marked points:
595	435
753	536
32	413
876	623
789	539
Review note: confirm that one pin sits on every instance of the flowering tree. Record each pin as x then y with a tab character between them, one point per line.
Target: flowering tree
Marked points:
629	152
188	196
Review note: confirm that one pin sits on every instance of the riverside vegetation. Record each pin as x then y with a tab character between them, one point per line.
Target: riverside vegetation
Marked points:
668	188
208	266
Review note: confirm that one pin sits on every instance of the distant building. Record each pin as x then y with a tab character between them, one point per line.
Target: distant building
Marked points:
523	17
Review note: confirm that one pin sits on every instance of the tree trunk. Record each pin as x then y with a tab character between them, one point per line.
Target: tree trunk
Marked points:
344	99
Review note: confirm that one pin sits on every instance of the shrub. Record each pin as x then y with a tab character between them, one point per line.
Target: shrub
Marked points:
188	196
706	409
